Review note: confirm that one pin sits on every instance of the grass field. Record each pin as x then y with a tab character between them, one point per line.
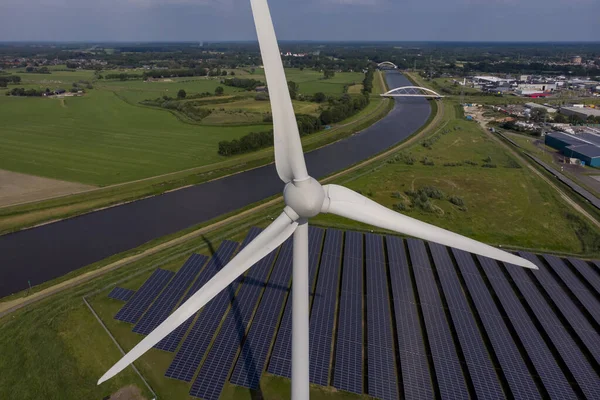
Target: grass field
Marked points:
99	139
504	205
106	137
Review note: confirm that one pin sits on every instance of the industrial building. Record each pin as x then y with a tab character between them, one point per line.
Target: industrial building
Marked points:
549	109
580	112
583	146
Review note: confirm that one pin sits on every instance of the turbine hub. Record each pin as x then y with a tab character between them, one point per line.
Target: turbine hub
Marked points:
304	197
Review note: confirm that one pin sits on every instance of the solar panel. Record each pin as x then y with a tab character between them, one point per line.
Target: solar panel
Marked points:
513	366
445	359
139	302
164	304
381	369
348	371
322	316
538	352
219	361
253	355
413	357
194	346
221	256
121	294
479	364
281	357
588	273
583	295
566	346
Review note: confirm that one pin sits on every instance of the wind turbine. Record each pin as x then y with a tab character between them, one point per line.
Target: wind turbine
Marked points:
304	198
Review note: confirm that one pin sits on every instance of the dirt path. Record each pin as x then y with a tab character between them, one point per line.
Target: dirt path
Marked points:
13	305
17	188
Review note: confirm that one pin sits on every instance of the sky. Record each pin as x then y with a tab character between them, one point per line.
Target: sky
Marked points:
319	20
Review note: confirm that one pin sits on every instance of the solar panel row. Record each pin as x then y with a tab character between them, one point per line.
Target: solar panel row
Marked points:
164	304
322	316
219	361
512	365
141	300
563	342
194	346
281	357
416	377
121	294
171	342
445	358
479	364
382	379
348	371
577	288
252	358
537	351
588	273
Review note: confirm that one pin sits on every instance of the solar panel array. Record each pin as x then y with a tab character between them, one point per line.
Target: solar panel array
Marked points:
215	369
196	343
382	381
322	317
281	356
348	371
391	318
218	260
251	361
168	299
121	294
139	302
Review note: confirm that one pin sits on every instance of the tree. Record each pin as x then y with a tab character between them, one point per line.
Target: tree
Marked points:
328	74
181	94
224	73
293	87
539	114
219	90
232	73
320	97
560	119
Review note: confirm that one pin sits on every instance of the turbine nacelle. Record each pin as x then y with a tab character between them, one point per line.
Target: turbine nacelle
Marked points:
305	197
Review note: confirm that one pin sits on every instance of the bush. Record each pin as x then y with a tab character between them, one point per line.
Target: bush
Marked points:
399	207
453	164
432	192
473	163
457	201
427	161
396	195
513	164
489	165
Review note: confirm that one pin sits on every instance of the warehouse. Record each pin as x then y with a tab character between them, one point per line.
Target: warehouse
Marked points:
580	112
583	146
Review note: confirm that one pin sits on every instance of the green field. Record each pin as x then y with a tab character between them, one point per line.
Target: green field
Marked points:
506	205
107	137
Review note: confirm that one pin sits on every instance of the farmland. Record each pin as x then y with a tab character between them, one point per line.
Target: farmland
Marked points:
107	137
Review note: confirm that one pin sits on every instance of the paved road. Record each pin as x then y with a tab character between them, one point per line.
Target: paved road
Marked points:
49	251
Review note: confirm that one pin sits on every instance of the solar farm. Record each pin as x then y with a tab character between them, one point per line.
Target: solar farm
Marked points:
390	318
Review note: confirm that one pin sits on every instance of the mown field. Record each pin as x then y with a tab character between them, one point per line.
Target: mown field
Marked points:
107	137
505	204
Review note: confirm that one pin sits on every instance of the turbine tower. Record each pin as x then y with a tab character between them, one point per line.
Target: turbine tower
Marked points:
304	198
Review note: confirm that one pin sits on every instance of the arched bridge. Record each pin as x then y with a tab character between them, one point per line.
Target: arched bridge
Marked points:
412	91
387	64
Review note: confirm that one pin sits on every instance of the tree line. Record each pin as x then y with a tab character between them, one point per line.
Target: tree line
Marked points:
6	80
248	84
253	141
343	108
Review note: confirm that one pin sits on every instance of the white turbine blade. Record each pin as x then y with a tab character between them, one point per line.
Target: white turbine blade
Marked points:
347	203
267	241
289	157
